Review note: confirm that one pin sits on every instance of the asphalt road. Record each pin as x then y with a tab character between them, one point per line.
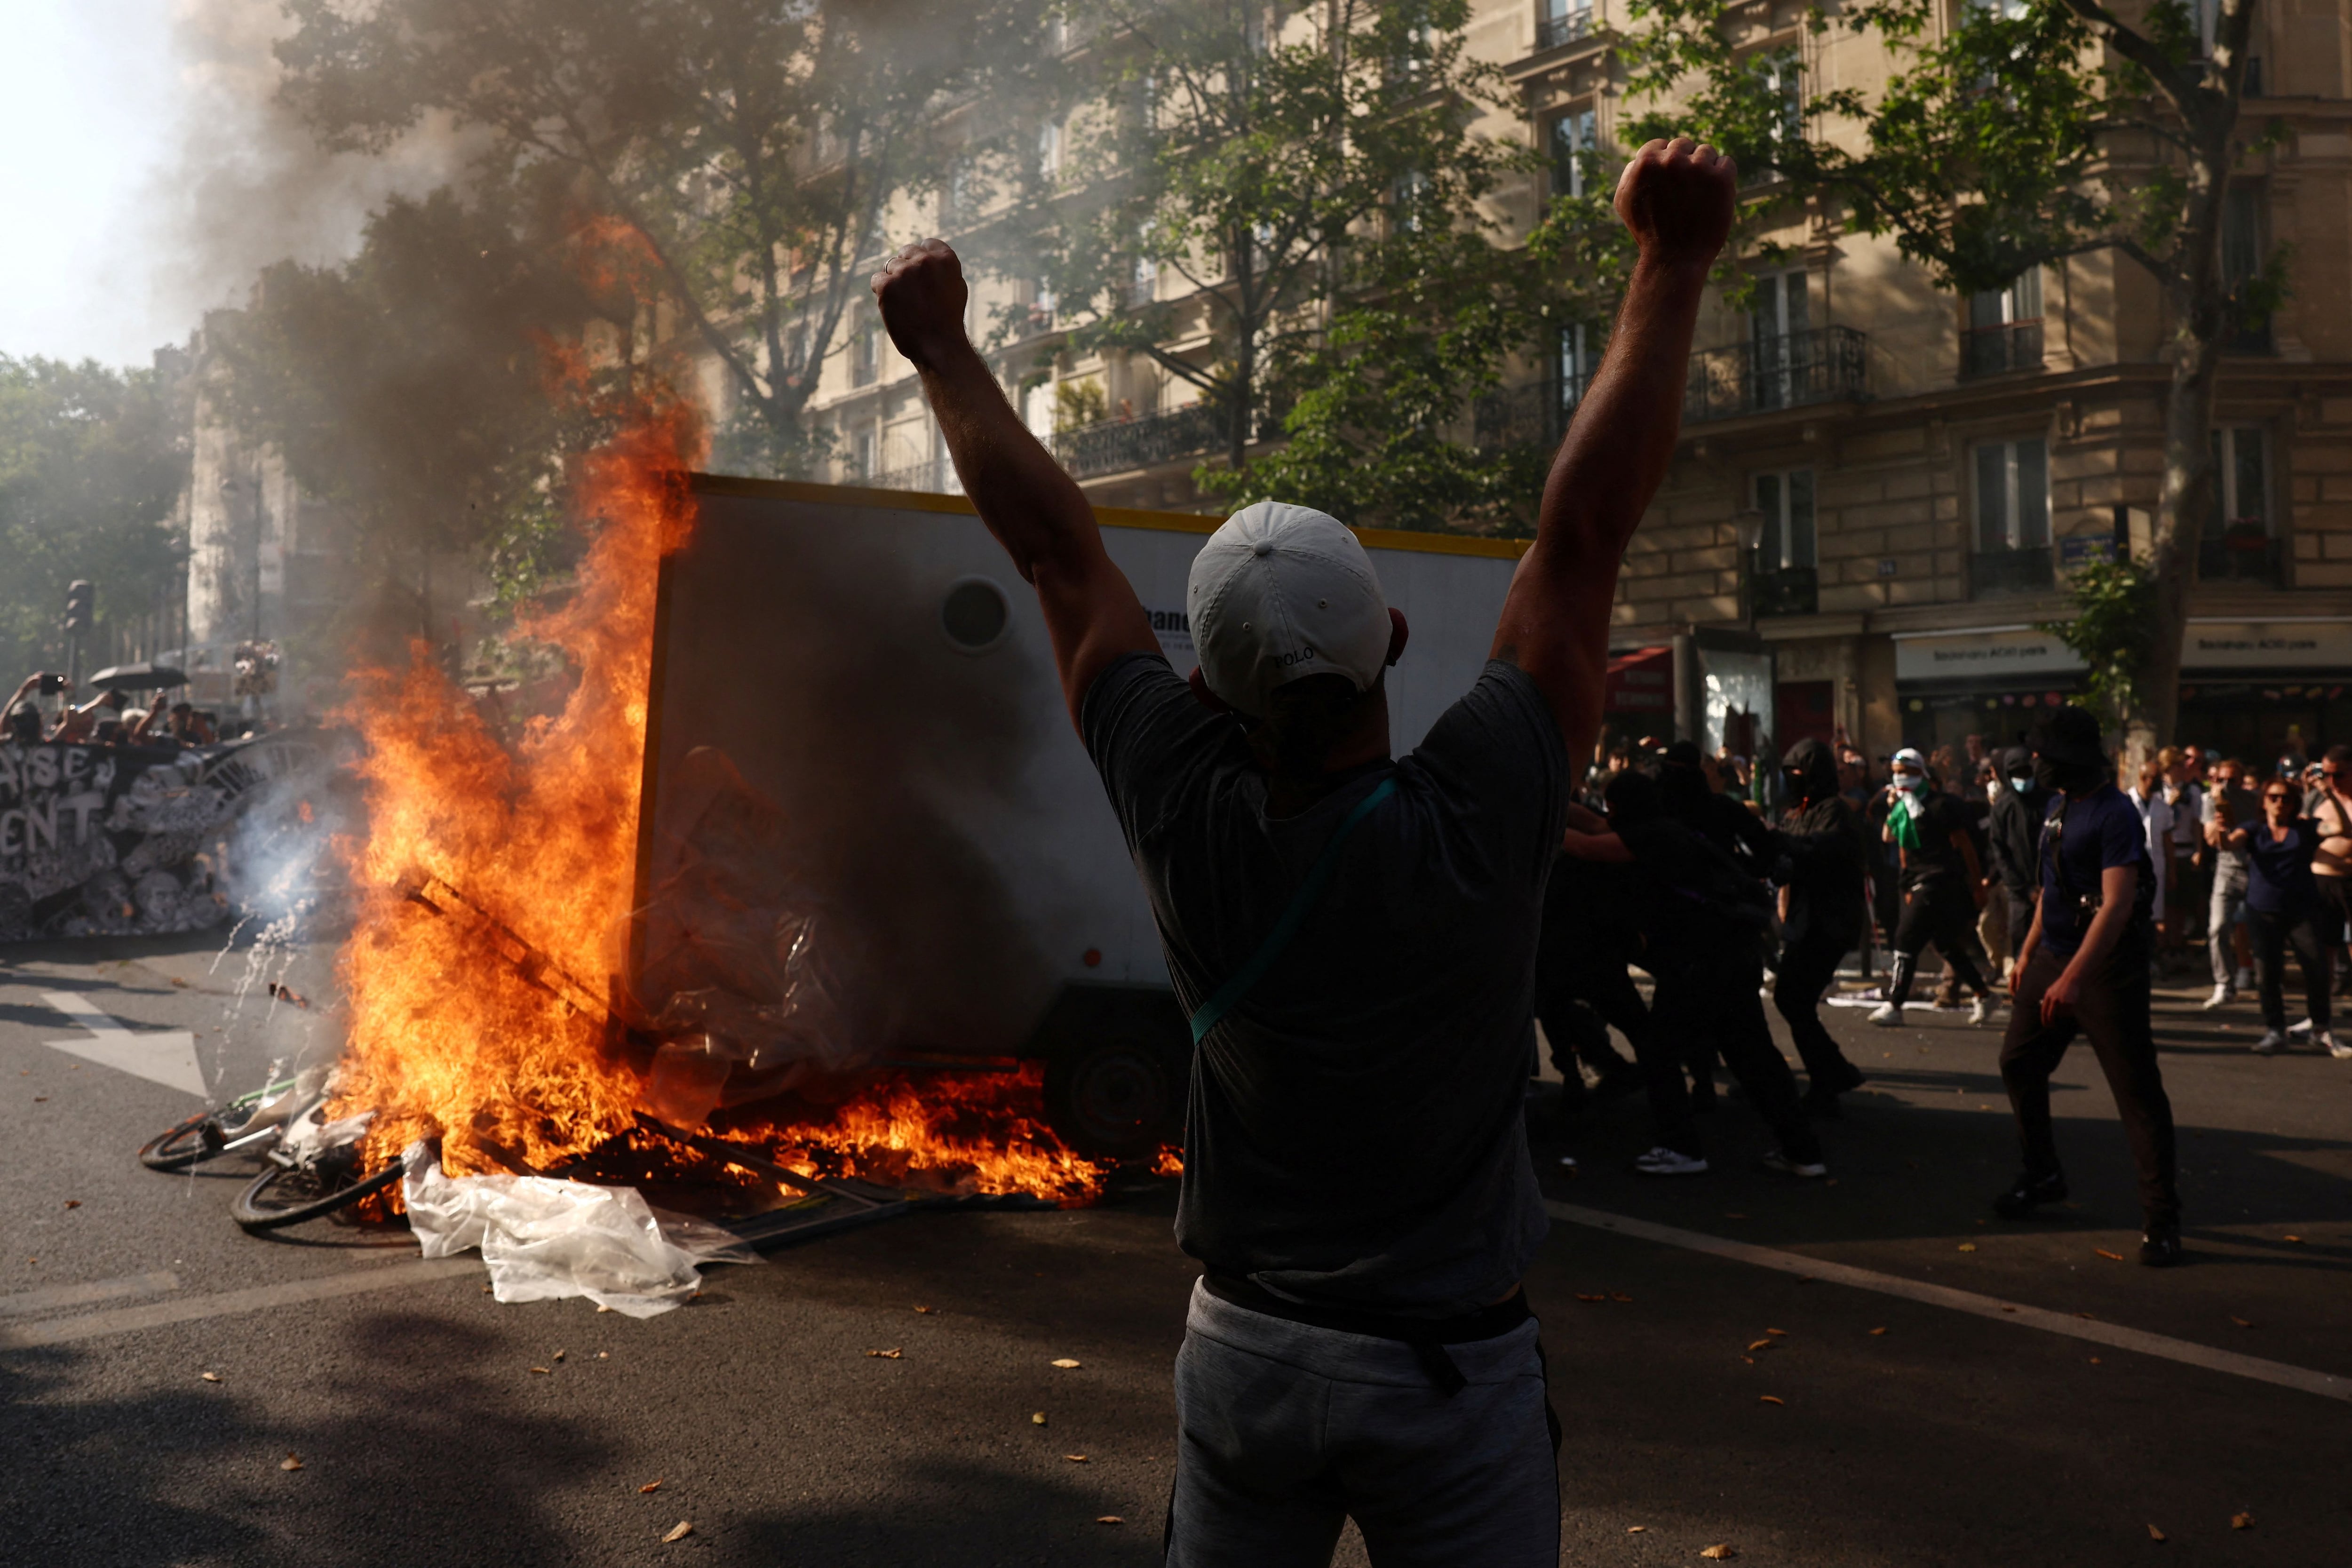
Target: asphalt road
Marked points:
1876	1427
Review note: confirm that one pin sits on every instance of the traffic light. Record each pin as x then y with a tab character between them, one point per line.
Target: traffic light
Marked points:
81	608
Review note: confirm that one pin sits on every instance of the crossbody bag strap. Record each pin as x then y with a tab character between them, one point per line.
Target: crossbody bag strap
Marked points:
1246	978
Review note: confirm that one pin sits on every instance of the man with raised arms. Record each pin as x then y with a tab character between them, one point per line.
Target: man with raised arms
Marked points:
1353	933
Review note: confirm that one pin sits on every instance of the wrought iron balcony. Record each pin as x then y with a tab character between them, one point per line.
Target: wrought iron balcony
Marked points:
938	476
1784	591
1117	445
2239	555
1993	572
1566	28
1824	364
2013	345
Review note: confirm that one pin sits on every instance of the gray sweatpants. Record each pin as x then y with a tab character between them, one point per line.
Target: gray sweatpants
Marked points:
1285	1430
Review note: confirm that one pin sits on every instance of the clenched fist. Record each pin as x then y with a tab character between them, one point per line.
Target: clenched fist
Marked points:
922	294
1676	197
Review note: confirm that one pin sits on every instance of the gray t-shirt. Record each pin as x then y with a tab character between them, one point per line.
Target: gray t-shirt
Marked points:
1354	1135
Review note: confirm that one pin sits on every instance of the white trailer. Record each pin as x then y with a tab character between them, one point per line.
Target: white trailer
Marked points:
854	711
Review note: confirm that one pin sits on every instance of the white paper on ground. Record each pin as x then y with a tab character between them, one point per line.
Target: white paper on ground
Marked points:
544	1239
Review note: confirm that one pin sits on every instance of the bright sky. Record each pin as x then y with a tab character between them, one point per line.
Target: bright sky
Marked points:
89	104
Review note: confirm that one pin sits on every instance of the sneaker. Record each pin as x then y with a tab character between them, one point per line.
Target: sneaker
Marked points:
1665	1162
2222	996
2245	980
2302	1027
2159	1245
2335	1047
1779	1163
1887	1014
2029	1192
1981	1011
2270	1045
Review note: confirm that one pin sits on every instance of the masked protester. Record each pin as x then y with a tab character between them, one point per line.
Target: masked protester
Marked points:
1821	843
1699	914
2084	968
2012	830
1942	887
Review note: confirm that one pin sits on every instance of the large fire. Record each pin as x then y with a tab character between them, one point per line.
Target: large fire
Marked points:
478	1015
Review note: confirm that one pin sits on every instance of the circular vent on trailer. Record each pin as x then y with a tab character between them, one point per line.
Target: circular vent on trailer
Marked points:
975	615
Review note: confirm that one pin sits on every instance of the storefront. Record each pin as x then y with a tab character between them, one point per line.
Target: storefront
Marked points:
1638	694
2260	690
1989	681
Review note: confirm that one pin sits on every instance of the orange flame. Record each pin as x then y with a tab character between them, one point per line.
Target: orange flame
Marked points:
480	1019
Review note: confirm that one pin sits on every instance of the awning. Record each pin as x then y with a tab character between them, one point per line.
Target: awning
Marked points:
1641	681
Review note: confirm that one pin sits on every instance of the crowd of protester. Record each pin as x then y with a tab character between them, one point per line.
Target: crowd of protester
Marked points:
111	718
1705	872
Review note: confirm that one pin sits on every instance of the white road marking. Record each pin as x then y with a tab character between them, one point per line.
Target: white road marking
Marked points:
2327	1385
229	1304
168	1059
159	1282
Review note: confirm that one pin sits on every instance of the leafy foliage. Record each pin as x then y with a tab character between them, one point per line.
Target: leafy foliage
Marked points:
92	461
2110	627
752	147
1307	177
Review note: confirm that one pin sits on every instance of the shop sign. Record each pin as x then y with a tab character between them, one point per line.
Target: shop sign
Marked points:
2267	645
1990	652
1641	681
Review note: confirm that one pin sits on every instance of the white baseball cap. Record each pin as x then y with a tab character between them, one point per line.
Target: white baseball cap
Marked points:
1279	593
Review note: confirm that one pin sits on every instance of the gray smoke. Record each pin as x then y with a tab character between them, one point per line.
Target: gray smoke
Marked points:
251	186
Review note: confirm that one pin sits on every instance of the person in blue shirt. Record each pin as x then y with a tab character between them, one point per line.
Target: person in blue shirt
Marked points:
2084	968
2283	908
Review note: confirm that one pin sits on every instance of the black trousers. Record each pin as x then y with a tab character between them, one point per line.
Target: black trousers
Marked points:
1942	912
2112	1011
2272	935
1580	996
1715	1001
1807	966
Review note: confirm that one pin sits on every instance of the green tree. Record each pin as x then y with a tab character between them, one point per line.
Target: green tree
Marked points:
754	145
419	388
2109	623
92	461
2025	132
1302	176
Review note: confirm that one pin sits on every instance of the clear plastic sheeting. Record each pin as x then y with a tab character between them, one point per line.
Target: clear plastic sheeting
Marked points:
545	1239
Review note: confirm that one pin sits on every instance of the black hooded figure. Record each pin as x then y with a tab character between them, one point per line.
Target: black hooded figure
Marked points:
1821	845
2013	830
2083	968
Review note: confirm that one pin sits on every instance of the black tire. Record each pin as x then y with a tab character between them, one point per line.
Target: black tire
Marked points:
1120	1098
180	1148
284	1194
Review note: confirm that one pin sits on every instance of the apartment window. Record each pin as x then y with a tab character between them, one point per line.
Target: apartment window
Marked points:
1143	282
1041	306
867	445
1577	360
1776	325
2238	544
1562	21
1569	137
1049	150
2241	264
1411	191
865	352
2012	496
2004	329
1786	541
1037	410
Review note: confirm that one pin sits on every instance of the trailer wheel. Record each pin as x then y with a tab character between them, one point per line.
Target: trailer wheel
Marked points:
1119	1097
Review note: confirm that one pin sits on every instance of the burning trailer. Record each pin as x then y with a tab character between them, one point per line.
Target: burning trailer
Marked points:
806	910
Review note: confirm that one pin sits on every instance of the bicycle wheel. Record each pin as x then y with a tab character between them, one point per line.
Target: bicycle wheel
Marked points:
180	1148
288	1194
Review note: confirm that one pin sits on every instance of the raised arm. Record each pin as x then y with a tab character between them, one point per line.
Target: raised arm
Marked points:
1036	511
1676	198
